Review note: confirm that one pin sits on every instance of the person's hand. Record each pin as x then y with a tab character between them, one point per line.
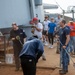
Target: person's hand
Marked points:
47	33
33	26
17	37
72	29
56	36
32	31
13	39
58	42
64	47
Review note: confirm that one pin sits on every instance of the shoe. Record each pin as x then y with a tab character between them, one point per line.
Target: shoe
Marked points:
52	46
74	53
57	52
66	71
49	46
17	69
62	71
71	53
46	43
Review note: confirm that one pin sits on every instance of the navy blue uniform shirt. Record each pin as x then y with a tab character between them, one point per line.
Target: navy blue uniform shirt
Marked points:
20	33
62	33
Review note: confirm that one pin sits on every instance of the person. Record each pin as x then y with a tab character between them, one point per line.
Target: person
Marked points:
71	24
64	38
51	30
18	37
30	54
45	29
57	21
38	27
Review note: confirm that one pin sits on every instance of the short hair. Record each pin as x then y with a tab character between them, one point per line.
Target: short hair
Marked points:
63	21
46	16
52	18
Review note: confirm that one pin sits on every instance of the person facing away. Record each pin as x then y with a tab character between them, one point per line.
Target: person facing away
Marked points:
30	54
18	37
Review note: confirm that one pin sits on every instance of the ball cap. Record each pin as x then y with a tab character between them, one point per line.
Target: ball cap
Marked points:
14	23
35	19
70	21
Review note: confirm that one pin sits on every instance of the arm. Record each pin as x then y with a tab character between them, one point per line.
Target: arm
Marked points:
73	30
38	56
55	29
67	33
38	29
67	41
24	36
24	39
40	51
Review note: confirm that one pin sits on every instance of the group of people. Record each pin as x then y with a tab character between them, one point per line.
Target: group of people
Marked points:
26	53
47	29
31	50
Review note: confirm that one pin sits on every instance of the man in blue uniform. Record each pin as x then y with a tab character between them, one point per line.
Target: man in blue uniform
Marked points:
31	52
64	39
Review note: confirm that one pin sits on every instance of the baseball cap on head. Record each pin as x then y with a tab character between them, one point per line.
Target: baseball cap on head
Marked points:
70	21
14	23
35	19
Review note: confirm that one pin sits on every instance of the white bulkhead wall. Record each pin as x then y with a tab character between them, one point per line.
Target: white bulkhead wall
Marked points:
14	11
37	9
40	12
